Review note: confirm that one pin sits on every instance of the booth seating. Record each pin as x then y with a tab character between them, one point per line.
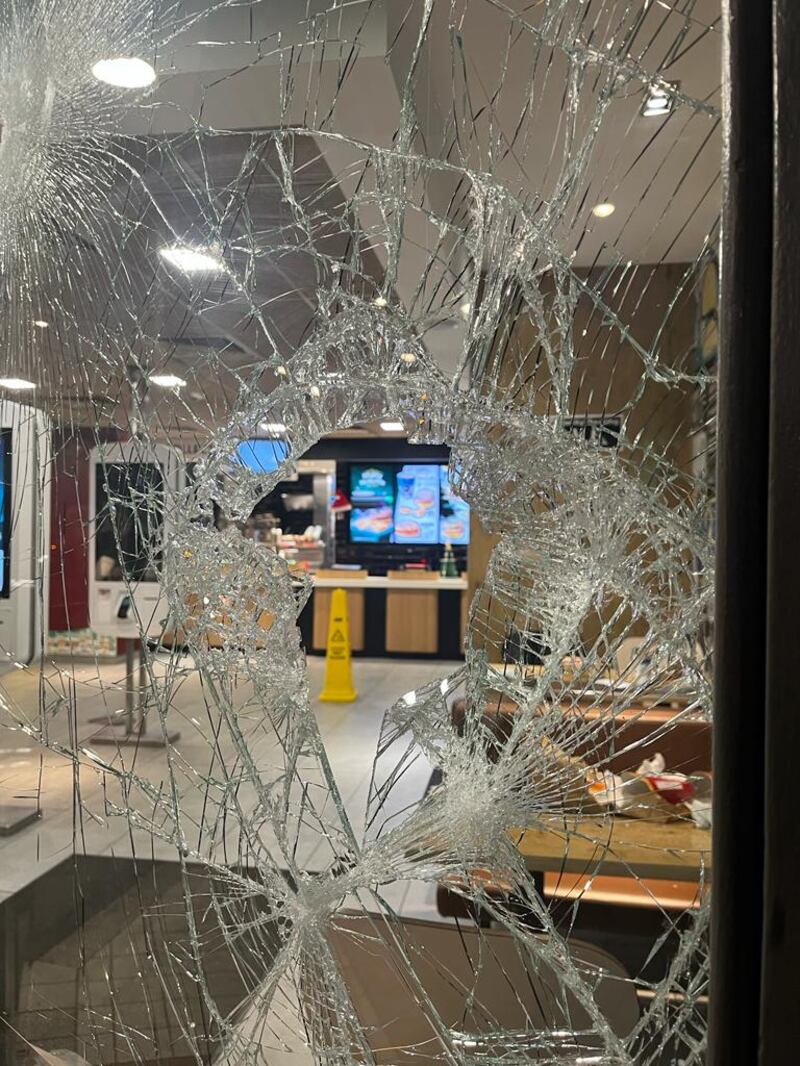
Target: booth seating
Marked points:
685	743
478	982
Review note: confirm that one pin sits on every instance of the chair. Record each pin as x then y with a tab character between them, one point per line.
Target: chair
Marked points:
479	983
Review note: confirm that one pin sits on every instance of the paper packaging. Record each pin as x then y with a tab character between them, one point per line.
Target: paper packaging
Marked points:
652	794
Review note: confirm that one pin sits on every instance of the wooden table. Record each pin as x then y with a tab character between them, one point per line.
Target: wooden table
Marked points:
618	846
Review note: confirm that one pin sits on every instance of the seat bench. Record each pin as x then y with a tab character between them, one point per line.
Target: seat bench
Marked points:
685	742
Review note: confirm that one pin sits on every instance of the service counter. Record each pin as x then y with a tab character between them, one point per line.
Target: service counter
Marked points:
406	613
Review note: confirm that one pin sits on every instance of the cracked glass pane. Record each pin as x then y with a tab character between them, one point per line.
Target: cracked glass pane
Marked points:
228	231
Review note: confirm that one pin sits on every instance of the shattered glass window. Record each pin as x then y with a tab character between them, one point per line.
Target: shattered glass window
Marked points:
494	222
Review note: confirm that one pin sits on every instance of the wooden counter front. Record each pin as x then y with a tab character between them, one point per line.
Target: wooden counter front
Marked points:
402	613
355	608
412	614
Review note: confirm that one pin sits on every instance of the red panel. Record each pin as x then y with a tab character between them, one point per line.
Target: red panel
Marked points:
69	556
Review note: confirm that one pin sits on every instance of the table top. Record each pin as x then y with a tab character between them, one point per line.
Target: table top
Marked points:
436	584
677	850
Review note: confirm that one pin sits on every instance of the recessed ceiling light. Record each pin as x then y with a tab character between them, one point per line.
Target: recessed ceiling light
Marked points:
167	381
659	101
603	210
273	427
408	357
392	427
192	260
17	384
380	301
40	323
125	72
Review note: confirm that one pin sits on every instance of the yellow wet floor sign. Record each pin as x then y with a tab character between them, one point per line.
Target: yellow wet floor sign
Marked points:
338	687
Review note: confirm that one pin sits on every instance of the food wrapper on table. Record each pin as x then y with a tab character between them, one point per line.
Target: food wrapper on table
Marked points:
654	794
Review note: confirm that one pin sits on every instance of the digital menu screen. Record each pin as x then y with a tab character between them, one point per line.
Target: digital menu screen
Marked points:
416	511
372	493
130	521
405	503
262	455
453	513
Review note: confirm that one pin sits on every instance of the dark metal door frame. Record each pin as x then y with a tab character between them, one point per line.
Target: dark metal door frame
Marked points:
756	836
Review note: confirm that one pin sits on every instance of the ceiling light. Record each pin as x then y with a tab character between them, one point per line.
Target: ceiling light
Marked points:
408	357
314	391
192	260
392	427
40	323
659	101
465	308
603	210
273	427
380	301
167	381
17	384
126	72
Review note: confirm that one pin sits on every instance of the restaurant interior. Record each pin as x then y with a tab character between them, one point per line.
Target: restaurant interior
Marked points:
358	468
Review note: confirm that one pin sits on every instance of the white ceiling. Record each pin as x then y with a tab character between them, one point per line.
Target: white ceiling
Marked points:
483	64
251	67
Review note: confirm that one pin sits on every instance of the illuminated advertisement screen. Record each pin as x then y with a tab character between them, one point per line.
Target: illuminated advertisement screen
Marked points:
262	456
405	503
372	494
416	510
453	513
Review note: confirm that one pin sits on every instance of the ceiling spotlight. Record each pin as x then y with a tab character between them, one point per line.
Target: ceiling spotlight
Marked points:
273	427
192	260
40	323
392	427
125	72
603	210
17	384
408	357
465	308
380	301
659	101
167	381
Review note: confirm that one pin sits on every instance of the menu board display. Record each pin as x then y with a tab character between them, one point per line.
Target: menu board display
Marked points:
405	503
453	513
262	455
416	513
372	493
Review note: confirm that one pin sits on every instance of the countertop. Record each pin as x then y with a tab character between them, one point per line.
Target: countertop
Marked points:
346	581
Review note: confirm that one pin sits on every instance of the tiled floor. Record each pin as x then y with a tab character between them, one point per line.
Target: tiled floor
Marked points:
349	732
